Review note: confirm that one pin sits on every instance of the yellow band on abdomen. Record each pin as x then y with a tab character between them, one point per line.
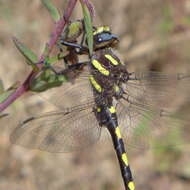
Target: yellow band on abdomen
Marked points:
131	185
112	110
95	84
124	158
118	133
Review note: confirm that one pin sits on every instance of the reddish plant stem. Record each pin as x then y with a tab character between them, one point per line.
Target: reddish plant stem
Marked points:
54	37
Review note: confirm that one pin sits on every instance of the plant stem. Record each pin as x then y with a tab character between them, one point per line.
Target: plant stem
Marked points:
59	26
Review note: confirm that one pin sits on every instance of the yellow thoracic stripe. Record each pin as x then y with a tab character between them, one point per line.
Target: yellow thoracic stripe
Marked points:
98	66
102	29
111	59
95	84
124	158
131	185
118	133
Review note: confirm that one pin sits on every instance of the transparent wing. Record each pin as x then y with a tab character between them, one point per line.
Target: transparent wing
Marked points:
144	86
148	91
154	87
144	126
70	94
60	131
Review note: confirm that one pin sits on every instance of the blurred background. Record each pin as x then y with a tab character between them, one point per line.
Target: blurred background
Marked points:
154	34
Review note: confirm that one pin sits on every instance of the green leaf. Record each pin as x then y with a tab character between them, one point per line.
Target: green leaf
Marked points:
46	80
90	7
53	10
88	27
31	58
5	95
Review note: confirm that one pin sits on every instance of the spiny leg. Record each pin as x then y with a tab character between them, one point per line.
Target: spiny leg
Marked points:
80	49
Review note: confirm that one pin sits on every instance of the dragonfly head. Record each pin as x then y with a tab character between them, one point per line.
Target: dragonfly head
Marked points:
104	38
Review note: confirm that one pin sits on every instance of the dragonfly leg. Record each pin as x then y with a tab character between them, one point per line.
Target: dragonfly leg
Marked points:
79	64
80	49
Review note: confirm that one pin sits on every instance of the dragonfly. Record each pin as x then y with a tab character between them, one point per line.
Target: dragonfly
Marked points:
104	96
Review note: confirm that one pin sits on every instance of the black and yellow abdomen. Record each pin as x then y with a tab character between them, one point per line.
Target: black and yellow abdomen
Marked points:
105	81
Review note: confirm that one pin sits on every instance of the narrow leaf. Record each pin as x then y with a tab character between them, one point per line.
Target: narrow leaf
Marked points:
88	26
5	95
27	53
10	90
31	58
46	80
53	10
90	7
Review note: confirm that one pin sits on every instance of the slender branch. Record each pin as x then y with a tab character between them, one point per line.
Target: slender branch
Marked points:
59	26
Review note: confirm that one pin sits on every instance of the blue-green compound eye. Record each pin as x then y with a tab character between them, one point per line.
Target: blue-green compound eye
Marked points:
104	37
